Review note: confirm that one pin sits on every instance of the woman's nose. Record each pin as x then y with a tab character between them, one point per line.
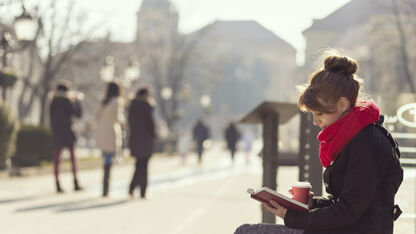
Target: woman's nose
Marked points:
315	121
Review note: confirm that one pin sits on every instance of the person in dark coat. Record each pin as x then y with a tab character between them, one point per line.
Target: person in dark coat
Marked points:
362	169
62	109
141	137
200	134
232	135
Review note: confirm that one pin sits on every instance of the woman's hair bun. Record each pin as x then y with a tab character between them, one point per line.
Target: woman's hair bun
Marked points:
340	64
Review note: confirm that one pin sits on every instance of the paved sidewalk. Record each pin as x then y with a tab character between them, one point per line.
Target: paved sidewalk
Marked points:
189	199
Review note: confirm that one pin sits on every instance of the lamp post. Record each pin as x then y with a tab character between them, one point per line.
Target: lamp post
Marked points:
107	71
132	72
25	29
205	102
166	93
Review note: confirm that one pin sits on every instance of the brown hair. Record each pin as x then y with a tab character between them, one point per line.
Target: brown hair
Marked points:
327	85
113	91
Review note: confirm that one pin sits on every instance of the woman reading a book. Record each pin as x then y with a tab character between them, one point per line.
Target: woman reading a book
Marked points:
362	171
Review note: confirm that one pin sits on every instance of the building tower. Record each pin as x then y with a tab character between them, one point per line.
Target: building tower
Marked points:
157	22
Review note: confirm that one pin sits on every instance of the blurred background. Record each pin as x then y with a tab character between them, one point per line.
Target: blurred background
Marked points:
212	59
199	57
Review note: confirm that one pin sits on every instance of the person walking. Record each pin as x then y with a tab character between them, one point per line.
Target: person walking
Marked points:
247	143
108	137
183	145
64	106
200	134
361	160
232	135
141	138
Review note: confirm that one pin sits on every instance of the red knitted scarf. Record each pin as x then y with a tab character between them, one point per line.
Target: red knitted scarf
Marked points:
337	135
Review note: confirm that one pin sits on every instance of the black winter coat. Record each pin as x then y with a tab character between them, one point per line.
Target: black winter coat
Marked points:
200	133
61	111
141	128
362	182
231	136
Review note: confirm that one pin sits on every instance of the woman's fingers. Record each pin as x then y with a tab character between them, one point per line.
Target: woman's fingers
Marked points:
275	204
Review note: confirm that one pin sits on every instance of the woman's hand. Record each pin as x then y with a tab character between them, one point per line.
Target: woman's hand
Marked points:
275	208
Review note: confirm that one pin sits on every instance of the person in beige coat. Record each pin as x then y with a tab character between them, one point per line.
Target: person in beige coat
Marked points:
108	137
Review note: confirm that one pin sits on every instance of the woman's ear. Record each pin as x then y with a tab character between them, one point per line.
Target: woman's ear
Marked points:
343	105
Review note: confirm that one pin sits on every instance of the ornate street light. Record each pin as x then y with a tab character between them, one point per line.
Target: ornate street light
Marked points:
107	71
166	93
25	27
205	101
132	72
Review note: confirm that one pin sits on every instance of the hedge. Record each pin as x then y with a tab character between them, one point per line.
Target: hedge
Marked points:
7	134
33	145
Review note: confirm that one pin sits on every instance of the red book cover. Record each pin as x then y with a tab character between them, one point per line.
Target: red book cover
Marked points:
266	194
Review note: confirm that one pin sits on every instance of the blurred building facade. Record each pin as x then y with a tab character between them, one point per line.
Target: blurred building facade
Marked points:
237	64
367	30
381	36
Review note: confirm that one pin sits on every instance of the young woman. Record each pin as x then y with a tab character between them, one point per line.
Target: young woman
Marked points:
62	109
362	171
108	135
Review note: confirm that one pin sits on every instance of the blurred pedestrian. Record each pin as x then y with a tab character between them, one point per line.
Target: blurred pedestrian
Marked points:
232	135
200	134
184	145
247	143
141	137
108	137
64	106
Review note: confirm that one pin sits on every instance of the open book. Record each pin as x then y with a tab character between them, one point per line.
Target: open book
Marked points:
265	195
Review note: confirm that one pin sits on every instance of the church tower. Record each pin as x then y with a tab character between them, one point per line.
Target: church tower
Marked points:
157	22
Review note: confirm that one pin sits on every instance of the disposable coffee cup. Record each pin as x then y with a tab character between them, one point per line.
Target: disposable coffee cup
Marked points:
301	191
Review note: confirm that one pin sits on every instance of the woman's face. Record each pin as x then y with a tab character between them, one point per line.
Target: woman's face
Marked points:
323	120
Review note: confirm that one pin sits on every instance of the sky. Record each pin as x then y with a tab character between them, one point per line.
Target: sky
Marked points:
286	18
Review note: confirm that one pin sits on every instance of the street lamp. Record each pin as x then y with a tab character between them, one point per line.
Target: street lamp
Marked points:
132	72
205	101
25	27
166	93
107	71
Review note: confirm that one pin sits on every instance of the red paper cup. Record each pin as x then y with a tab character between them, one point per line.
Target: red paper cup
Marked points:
301	191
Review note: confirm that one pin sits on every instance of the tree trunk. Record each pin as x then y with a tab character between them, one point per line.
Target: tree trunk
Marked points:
43	101
25	107
403	52
4	94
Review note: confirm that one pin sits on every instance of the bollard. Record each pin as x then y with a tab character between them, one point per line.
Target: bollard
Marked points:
270	115
270	158
310	168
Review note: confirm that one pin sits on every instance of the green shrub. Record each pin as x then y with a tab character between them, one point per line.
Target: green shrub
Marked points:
7	77
7	134
33	145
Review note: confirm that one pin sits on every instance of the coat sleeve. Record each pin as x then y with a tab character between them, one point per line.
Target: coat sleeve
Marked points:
363	175
76	109
150	124
319	202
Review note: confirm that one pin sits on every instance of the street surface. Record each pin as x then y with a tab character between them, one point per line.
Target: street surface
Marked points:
183	199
